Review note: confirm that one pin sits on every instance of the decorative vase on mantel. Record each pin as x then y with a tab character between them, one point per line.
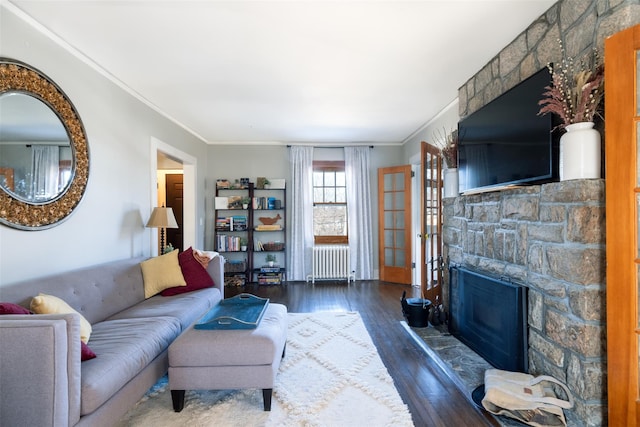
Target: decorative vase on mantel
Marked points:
450	182
580	152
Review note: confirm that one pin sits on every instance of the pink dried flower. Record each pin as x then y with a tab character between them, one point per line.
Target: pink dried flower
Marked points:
576	91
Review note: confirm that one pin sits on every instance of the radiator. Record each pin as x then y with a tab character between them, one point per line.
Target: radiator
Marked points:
331	262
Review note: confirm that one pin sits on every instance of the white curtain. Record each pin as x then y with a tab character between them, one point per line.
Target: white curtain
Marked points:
359	211
45	168
301	236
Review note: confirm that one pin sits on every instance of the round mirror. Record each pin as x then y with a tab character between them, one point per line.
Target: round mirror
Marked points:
44	158
35	153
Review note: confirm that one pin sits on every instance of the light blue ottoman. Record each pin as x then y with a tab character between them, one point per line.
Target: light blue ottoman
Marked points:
229	359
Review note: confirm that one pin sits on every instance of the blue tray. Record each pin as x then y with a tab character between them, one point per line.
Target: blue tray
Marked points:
243	311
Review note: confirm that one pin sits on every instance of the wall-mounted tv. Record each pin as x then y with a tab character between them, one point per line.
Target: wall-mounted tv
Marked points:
506	142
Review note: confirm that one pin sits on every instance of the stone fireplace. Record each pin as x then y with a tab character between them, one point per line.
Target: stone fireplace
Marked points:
489	315
551	239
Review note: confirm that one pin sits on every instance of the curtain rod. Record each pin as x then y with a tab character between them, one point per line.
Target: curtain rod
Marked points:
332	146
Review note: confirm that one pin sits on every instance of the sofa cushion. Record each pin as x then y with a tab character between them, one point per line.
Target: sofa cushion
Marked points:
160	273
124	347
187	308
194	274
49	304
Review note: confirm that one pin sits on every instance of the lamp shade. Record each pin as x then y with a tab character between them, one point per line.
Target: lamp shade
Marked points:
162	218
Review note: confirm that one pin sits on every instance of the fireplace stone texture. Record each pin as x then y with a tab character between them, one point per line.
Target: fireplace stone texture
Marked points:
551	239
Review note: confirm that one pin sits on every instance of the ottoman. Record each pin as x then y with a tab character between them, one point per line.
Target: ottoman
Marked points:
229	359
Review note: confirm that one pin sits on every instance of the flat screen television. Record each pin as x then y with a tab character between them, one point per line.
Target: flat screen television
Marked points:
506	142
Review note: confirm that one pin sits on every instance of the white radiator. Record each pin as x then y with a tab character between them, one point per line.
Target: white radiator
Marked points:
331	262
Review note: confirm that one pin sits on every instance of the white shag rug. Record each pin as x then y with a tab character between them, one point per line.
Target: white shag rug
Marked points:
331	375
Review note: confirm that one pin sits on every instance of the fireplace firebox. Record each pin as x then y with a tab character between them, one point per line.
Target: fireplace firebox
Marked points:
489	315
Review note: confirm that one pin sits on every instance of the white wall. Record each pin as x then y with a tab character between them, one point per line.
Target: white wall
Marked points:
109	222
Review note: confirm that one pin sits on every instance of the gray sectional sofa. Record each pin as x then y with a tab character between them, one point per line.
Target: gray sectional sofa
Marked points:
42	379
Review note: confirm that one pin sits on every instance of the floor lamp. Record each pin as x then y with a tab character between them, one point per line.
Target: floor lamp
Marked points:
162	218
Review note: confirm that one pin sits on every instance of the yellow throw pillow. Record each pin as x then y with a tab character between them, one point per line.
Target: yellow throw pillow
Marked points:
48	304
161	273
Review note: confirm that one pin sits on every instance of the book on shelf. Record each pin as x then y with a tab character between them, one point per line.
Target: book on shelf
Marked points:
228	243
266	203
223	223
274	269
231	223
273	227
238	223
269	279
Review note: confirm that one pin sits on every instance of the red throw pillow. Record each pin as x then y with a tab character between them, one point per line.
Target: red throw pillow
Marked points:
85	352
194	274
10	308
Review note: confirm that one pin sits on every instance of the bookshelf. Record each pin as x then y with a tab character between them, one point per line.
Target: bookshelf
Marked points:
249	226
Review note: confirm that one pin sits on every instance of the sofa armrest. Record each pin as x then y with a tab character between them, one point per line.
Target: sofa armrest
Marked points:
216	271
40	369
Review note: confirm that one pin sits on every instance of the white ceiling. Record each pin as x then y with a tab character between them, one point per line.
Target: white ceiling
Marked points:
315	71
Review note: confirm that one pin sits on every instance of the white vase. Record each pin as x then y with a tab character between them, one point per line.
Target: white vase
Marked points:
451	182
580	152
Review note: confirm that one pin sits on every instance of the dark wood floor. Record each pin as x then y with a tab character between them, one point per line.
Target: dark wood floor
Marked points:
431	396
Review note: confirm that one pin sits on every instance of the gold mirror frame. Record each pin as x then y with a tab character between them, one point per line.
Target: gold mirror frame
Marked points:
16	76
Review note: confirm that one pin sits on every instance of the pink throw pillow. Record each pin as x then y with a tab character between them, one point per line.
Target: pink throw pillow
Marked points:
194	274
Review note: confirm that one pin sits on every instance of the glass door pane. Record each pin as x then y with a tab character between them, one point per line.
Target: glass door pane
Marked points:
432	221
637	219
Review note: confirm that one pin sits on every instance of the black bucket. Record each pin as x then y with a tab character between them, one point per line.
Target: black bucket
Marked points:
416	311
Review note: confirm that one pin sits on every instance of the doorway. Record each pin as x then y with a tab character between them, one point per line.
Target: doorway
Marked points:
187	167
394	224
174	200
431	211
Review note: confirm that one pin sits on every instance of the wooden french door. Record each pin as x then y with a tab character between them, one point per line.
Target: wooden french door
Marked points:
394	224
622	123
431	221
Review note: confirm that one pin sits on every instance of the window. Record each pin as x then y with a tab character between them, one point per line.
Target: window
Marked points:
329	202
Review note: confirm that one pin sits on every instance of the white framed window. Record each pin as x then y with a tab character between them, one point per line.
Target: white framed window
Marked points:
329	202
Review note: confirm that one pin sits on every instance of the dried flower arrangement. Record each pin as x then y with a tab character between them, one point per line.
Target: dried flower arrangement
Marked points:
576	89
447	143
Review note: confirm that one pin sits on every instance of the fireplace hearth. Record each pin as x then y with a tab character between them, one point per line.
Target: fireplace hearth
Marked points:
489	315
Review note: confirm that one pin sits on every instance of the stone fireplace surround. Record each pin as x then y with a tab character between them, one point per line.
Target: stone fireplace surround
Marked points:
550	238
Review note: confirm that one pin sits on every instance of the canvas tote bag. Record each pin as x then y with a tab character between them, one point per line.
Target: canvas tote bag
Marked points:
526	398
